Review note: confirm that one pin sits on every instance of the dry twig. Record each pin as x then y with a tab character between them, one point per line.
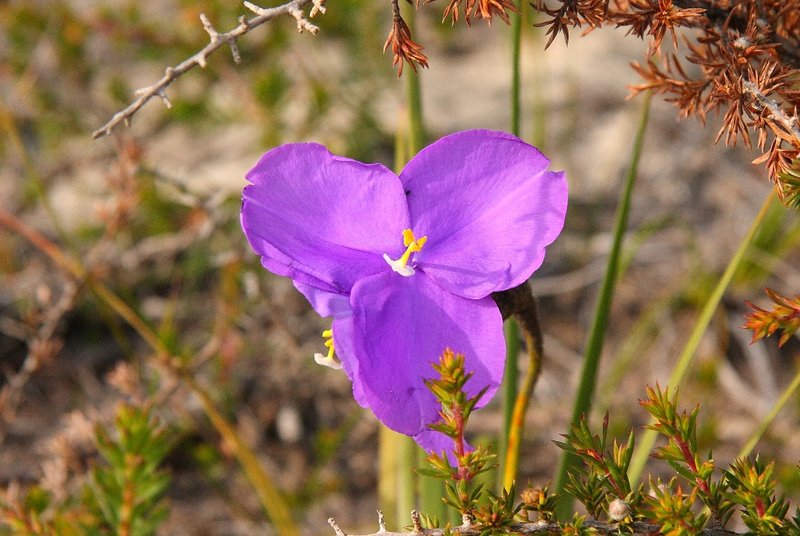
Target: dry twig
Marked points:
404	48
42	347
293	8
635	529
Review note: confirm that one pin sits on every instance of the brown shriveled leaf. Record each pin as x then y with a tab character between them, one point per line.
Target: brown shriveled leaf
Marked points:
571	14
655	18
482	9
404	49
778	160
687	94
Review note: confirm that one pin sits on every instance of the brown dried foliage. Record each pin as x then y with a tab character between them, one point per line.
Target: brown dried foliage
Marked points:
571	14
482	9
739	59
404	49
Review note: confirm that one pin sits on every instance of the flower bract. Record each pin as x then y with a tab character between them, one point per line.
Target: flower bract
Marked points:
406	264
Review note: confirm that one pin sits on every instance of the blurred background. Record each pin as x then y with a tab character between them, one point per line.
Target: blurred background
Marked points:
152	212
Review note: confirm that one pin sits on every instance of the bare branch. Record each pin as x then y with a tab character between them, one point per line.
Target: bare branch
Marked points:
216	40
636	529
789	123
42	346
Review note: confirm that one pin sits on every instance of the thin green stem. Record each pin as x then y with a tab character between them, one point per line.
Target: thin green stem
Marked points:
431	491
270	497
594	345
516	68
414	96
511	329
510	381
645	445
768	420
529	318
406	478
417	130
388	472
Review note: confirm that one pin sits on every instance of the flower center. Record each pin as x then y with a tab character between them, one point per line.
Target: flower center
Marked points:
413	245
328	360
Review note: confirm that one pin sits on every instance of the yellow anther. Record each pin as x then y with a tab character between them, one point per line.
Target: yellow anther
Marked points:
413	245
328	360
408	237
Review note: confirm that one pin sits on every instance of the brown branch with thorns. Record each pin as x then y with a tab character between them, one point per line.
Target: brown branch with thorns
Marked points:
521	528
294	8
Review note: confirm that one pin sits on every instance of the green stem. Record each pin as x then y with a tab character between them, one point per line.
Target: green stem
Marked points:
511	330
431	491
510	380
768	420
533	339
388	473
414	95
271	499
645	445
516	69
406	479
594	346
417	131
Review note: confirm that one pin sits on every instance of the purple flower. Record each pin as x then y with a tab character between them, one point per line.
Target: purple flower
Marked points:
406	265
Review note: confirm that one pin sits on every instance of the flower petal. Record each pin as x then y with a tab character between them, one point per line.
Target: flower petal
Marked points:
321	219
488	207
344	348
325	303
400	327
437	442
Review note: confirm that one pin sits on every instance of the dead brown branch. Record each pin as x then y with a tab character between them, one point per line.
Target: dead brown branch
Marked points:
43	345
294	8
524	529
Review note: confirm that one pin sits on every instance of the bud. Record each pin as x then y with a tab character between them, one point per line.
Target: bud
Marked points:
533	498
618	510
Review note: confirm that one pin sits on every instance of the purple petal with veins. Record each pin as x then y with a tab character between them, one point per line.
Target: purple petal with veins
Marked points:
405	265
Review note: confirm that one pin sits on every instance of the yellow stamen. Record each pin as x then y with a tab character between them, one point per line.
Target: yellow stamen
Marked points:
413	245
328	360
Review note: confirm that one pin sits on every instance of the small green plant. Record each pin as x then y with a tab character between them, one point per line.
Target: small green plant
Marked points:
784	316
752	486
680	428
123	493
127	490
499	514
577	527
458	468
675	509
698	499
606	477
